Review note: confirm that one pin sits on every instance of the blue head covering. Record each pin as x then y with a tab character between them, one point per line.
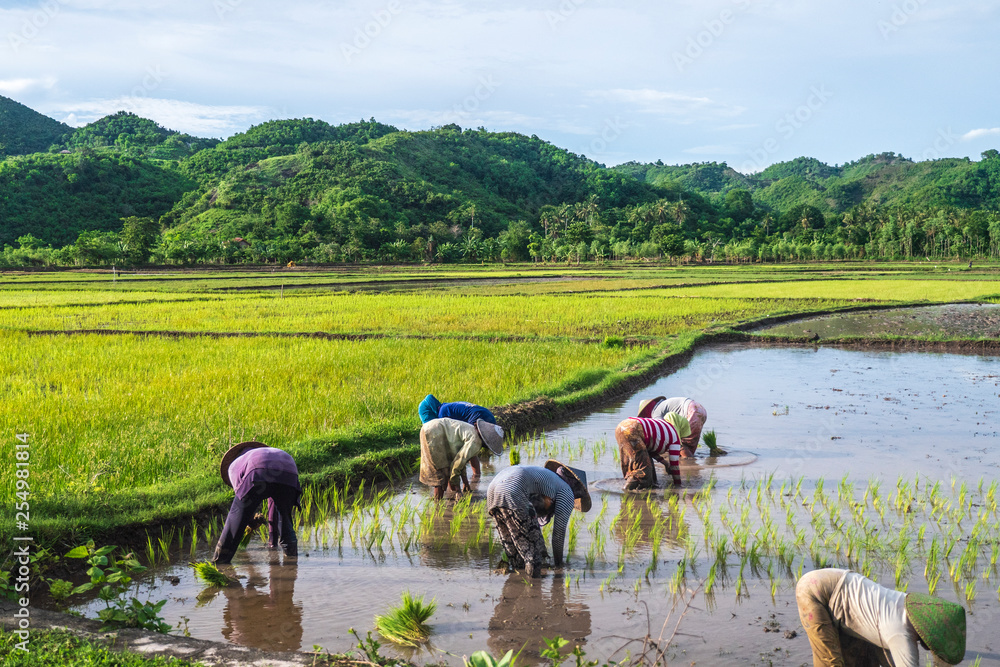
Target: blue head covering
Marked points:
429	408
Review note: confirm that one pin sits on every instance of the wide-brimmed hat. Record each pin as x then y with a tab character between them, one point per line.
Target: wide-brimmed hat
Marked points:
234	453
491	434
646	406
577	479
940	624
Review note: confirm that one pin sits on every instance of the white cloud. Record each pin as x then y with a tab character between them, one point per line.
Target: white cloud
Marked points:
981	132
422	119
197	119
712	149
19	86
649	100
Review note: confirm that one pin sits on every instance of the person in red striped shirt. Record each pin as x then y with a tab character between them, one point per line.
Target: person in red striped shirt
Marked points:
643	439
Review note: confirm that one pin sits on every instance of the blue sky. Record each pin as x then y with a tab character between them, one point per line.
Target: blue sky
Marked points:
749	82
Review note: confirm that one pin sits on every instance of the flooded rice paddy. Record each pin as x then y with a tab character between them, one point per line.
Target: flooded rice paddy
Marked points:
883	462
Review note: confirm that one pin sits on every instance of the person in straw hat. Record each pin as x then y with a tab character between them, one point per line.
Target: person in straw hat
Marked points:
447	445
521	499
850	619
643	439
470	413
255	472
691	410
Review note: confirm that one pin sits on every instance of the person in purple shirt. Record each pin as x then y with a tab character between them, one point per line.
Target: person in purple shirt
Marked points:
255	472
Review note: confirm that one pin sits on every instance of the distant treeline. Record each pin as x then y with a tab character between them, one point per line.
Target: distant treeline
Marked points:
125	191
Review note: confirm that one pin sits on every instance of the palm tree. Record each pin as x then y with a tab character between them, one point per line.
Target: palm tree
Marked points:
681	211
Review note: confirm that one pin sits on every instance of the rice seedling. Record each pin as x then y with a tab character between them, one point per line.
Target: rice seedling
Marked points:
150	551
572	533
407	624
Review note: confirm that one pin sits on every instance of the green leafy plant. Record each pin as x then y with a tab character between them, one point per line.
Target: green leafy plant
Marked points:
59	590
369	646
484	659
6	590
406	624
551	650
112	579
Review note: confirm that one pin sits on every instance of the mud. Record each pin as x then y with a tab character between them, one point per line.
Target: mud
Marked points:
961	320
805	413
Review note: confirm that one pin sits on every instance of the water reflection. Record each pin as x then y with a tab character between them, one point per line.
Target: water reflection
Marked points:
527	611
270	619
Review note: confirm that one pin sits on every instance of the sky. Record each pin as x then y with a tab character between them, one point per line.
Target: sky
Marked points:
747	82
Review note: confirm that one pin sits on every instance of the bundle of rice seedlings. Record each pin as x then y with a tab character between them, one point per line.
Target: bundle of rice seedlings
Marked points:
406	624
710	440
210	575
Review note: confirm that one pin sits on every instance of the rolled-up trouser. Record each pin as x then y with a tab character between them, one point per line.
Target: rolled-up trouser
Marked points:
279	518
696	416
637	466
520	535
831	647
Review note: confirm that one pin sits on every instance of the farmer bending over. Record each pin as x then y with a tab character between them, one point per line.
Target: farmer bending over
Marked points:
256	471
850	618
447	445
521	499
642	439
690	409
431	408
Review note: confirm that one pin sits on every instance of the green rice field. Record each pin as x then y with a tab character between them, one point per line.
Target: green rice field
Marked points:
126	428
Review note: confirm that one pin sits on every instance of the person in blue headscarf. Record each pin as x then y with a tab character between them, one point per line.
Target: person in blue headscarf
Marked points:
430	408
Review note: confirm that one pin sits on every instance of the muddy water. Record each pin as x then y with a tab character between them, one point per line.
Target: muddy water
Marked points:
785	414
957	320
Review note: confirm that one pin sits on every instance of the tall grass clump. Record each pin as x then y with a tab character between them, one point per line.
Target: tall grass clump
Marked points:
406	624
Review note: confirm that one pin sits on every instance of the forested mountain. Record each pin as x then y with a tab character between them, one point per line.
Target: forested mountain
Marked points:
884	179
23	130
124	189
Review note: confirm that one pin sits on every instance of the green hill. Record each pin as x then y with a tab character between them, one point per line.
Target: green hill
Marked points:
129	134
367	184
54	197
295	190
886	179
24	131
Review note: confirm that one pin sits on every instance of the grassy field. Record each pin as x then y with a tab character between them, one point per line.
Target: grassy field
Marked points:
127	429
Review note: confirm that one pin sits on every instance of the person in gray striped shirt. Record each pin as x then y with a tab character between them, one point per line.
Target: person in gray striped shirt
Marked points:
521	499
